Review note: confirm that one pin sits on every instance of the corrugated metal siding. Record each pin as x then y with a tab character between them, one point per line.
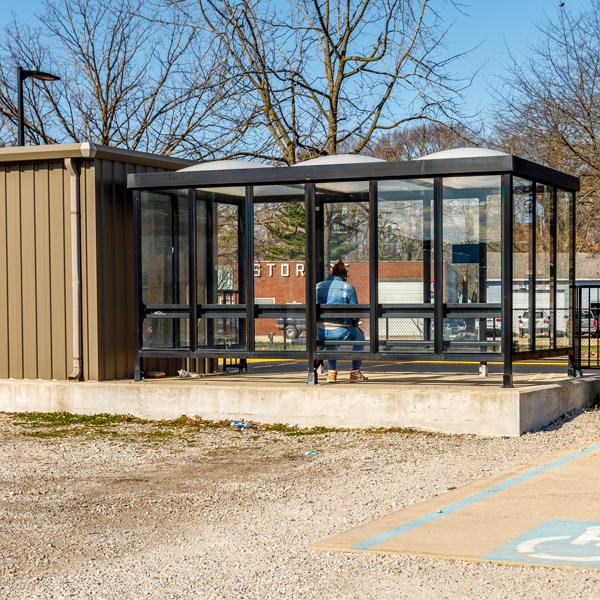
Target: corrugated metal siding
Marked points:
35	331
110	318
107	284
35	272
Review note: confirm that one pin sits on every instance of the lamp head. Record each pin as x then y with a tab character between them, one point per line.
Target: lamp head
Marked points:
35	73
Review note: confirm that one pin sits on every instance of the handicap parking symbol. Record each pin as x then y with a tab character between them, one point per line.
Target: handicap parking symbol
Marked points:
555	542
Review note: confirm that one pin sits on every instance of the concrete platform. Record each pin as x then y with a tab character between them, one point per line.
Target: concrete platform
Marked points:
434	400
543	512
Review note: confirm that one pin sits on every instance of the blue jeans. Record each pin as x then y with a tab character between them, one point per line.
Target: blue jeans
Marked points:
342	334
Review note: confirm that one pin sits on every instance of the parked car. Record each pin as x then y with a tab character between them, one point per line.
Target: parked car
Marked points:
587	322
453	328
293	327
542	323
493	326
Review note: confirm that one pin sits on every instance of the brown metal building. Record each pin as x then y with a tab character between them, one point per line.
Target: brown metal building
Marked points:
66	262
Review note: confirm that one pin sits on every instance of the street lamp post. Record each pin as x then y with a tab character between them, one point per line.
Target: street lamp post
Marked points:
22	75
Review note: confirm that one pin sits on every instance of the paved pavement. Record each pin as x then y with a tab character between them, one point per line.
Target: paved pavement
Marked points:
543	512
414	374
558	366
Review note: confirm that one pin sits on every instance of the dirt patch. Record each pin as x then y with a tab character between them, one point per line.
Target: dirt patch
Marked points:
211	511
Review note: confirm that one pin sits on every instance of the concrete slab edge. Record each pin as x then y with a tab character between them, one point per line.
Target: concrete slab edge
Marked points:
480	411
542	405
451	558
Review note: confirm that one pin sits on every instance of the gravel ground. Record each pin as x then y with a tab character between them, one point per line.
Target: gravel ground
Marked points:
155	510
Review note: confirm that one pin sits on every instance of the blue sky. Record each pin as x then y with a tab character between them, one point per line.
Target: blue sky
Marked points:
493	23
497	24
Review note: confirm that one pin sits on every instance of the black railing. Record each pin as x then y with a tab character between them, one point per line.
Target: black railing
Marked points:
584	325
408	327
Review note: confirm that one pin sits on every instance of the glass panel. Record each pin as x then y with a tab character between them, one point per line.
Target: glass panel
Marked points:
564	265
165	268
342	233
523	284
279	268
405	230
544	266
471	262
159	333
220	247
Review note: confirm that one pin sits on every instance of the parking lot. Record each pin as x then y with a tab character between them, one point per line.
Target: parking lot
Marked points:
123	509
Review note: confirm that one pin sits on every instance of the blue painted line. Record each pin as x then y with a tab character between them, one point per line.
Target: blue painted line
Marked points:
392	533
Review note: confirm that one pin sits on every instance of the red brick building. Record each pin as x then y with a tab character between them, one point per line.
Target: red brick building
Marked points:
284	283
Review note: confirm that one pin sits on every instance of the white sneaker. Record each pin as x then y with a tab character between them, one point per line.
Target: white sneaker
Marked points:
357	376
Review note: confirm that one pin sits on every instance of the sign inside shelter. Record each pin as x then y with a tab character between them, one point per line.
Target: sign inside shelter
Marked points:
555	542
274	269
465	253
539	286
270	269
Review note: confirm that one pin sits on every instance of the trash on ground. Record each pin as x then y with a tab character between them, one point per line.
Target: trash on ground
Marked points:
154	374
241	424
310	453
184	373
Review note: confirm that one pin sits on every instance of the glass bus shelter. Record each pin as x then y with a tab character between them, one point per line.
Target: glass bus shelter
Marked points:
453	257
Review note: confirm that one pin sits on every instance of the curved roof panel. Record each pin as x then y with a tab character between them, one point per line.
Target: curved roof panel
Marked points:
225	165
462	153
338	159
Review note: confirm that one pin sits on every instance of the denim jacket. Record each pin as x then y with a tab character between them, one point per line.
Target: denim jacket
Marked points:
336	291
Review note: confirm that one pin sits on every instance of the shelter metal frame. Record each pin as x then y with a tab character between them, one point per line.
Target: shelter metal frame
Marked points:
507	167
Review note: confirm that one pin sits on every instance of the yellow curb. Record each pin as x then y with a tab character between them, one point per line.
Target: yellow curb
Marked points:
414	362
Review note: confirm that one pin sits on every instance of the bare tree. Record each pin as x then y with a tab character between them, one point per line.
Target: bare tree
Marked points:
319	74
126	80
548	108
418	140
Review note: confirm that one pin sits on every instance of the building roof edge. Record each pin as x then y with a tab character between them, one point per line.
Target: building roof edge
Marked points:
89	150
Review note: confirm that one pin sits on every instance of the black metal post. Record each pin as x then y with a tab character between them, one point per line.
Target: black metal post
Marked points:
507	277
575	358
438	266
137	286
241	268
21	118
22	75
192	249
374	267
249	212
482	276
210	262
175	265
310	283
553	270
426	263
574	297
572	366
533	272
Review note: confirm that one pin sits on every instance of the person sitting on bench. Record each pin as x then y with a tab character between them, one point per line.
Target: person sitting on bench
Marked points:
335	290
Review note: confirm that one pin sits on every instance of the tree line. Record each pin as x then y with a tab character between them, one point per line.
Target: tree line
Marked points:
215	79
